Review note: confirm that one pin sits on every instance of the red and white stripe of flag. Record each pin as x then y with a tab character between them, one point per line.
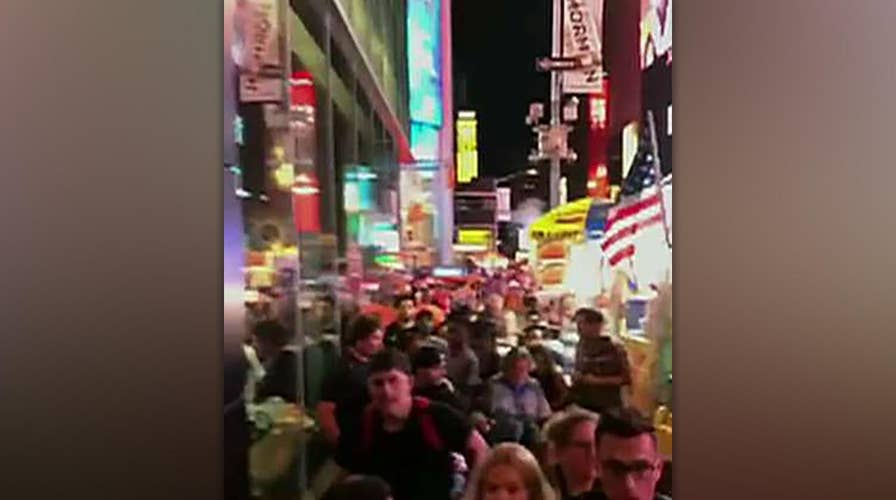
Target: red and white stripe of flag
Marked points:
625	221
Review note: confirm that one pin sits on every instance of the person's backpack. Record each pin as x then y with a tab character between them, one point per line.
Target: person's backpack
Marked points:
428	427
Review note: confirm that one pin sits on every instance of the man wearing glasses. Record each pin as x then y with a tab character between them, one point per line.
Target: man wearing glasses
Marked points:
629	463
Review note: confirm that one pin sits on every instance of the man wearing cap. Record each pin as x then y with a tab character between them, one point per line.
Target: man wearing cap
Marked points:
601	365
430	378
410	442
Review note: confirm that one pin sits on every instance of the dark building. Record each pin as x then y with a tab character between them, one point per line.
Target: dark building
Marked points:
657	98
621	54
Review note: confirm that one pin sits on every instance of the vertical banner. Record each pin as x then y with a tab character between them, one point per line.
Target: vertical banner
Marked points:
302	149
503	211
467	149
656	31
231	155
258	34
258	50
582	34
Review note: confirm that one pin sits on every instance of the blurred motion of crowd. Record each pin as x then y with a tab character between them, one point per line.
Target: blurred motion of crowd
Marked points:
475	386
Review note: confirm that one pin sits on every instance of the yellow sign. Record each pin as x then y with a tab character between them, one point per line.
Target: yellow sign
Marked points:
475	237
467	153
566	222
284	175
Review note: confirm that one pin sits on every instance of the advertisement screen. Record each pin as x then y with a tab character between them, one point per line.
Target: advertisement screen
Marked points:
656	31
359	189
475	237
424	142
424	61
417	207
384	236
467	155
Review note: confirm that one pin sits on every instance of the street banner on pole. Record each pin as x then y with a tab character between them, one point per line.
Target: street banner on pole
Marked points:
260	88
258	30
582	30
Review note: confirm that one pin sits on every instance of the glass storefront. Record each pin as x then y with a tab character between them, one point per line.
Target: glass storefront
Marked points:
318	181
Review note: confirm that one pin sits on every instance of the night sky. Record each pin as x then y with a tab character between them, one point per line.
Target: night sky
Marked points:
496	43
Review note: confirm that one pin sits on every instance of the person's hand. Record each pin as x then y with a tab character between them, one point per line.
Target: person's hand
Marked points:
482	423
459	463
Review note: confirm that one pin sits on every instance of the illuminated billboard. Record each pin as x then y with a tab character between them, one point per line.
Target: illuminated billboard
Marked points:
467	153
656	31
359	189
503	213
481	238
424	142
418	224
424	61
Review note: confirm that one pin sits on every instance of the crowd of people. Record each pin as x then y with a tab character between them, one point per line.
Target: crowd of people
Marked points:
466	392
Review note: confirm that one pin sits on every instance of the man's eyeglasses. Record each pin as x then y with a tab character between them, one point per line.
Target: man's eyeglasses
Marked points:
638	469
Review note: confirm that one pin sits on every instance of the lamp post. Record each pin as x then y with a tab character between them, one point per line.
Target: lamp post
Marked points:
553	137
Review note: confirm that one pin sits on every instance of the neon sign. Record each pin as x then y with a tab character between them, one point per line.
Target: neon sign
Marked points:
467	154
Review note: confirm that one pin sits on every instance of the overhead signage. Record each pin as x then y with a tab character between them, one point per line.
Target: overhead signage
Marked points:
547	64
258	36
582	30
259	89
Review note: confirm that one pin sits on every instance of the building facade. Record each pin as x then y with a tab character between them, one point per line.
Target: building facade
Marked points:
335	132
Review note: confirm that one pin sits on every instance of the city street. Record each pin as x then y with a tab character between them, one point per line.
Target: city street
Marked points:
450	223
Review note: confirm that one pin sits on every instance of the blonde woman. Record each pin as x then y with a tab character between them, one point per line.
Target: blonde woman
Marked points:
509	472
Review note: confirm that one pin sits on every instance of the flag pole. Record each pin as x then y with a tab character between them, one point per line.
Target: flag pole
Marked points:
658	173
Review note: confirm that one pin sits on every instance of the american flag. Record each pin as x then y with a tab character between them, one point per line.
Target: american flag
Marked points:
641	207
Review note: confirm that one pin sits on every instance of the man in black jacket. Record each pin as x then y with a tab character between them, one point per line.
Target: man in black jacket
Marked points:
412	443
430	379
271	341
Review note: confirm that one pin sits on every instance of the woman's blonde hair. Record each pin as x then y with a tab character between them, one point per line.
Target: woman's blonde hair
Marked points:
521	460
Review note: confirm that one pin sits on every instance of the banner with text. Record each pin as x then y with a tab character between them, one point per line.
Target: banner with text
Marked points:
582	31
258	36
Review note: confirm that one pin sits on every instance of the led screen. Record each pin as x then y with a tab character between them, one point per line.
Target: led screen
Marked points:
424	61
